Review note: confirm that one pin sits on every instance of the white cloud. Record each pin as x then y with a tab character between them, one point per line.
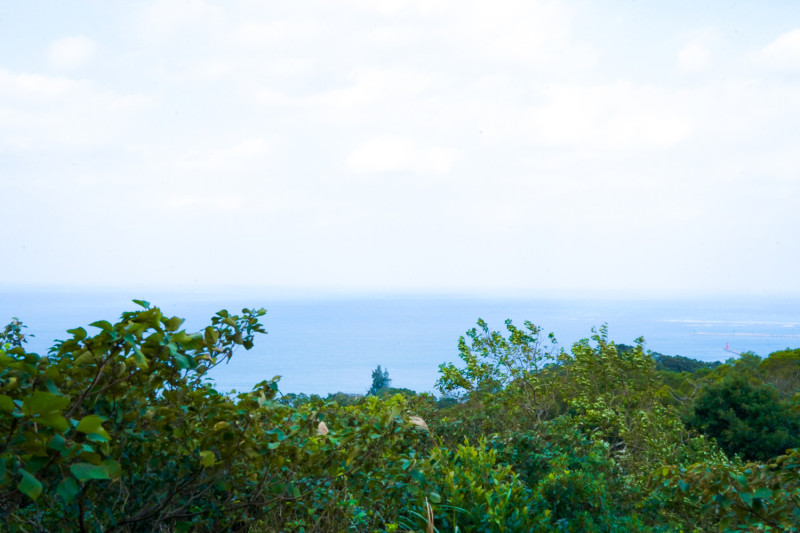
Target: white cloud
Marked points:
365	95
378	85
399	155
34	86
166	19
695	56
395	35
237	157
204	204
275	32
783	52
53	112
536	33
396	7
71	53
620	116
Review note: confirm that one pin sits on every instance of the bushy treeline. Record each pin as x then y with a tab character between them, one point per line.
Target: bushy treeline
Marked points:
122	431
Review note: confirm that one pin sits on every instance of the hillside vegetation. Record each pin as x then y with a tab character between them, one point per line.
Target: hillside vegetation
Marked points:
121	430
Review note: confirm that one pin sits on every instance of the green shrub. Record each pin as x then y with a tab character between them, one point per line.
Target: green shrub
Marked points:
746	418
120	431
477	492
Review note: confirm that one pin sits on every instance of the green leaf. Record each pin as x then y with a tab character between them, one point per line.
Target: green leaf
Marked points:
182	361
6	403
52	386
113	468
180	337
102	324
78	333
87	471
29	485
140	359
92	424
86	357
273	445
41	402
142	303
211	336
89	424
53	420
172	324
58	443
763	493
434	497
96	437
68	489
207	458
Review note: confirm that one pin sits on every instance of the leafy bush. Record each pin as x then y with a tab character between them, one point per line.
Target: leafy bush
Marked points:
745	418
477	493
576	483
120	431
730	496
782	371
512	370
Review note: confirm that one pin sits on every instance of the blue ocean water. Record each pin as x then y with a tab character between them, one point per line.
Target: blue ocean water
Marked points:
329	344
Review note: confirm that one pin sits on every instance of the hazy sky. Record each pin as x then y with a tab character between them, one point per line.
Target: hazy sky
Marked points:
402	145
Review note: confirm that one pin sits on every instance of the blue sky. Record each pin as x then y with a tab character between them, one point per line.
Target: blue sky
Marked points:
469	146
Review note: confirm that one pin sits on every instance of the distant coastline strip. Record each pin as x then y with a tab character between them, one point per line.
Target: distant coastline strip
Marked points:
735	322
744	334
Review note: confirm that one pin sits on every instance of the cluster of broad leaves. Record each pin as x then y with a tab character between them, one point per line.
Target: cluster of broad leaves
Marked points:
122	430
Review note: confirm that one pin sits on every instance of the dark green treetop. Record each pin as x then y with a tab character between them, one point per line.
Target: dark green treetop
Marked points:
380	380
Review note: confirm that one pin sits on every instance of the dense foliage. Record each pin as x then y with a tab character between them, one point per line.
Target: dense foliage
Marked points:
122	431
746	418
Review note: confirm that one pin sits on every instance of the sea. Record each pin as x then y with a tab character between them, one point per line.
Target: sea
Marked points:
331	343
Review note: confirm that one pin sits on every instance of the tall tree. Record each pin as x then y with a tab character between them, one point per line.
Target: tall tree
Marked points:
380	380
746	418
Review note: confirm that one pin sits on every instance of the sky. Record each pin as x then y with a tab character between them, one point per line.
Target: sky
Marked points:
461	146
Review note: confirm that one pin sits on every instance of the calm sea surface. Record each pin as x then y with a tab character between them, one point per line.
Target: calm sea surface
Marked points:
332	344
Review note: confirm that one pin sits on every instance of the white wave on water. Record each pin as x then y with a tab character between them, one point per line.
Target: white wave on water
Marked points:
745	334
712	323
